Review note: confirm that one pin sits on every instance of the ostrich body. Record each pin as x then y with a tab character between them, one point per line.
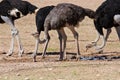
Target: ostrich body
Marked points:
65	15
104	18
10	10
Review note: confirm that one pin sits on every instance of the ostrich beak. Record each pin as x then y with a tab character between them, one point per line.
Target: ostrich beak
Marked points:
36	11
36	35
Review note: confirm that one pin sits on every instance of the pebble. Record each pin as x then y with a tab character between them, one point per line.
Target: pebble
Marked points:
41	78
60	79
6	78
50	69
27	78
18	74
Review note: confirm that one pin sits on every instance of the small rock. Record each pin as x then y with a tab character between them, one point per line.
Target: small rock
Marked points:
0	77
6	78
50	69
18	74
27	78
60	79
41	78
98	75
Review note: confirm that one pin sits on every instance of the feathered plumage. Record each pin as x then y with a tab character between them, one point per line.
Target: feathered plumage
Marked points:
11	10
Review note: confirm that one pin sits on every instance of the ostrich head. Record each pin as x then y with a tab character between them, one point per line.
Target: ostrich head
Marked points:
15	12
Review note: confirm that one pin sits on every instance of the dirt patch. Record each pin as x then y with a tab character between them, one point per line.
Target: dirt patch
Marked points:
92	66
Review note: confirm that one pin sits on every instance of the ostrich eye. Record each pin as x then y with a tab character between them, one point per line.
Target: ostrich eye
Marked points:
8	12
18	14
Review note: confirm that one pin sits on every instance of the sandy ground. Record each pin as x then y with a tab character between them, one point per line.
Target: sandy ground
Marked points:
23	68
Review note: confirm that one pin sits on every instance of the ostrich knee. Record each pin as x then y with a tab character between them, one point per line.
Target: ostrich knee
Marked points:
14	32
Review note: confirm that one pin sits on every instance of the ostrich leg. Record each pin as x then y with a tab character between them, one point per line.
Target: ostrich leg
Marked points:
64	37
15	33
60	39
76	40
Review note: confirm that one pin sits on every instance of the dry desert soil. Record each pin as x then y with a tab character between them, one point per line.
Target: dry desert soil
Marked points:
105	67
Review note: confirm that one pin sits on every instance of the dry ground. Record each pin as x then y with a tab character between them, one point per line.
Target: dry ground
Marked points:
16	68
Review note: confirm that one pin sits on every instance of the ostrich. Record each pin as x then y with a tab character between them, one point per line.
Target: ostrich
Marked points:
65	15
10	10
40	19
99	10
105	18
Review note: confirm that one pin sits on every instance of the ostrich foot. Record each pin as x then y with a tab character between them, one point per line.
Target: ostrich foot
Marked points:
20	53
34	57
90	45
9	53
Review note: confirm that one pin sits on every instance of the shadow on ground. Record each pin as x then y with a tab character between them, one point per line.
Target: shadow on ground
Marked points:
54	56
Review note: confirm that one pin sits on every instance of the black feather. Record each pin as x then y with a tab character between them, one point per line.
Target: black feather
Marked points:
41	16
105	13
66	13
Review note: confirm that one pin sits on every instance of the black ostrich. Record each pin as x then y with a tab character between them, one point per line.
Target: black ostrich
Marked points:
40	19
65	15
104	18
10	10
